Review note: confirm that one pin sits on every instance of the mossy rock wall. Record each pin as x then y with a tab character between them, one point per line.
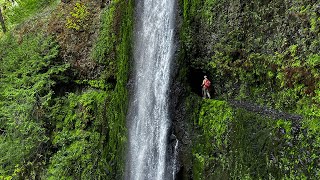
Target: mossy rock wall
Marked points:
262	52
63	97
233	143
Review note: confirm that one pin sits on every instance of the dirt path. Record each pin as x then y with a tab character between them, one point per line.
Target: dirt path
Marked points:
265	111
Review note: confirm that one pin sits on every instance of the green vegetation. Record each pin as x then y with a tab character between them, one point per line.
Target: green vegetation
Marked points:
266	52
29	71
77	17
56	120
17	11
77	136
64	68
214	120
237	144
116	113
104	52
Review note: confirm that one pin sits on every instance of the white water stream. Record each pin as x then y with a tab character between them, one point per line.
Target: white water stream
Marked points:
148	119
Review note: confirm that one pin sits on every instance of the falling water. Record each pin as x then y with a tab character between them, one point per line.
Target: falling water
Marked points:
148	118
175	154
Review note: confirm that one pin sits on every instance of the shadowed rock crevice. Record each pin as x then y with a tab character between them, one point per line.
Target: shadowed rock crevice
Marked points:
195	78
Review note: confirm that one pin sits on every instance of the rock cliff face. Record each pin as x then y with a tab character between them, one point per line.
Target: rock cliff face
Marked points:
263	58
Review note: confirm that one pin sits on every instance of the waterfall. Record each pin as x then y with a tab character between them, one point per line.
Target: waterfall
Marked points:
148	119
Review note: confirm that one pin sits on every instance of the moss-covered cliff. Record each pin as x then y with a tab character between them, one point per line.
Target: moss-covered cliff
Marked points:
63	96
264	56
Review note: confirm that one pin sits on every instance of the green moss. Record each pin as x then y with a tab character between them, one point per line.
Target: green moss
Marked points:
70	129
263	52
96	118
16	14
237	144
214	119
77	137
249	58
105	45
116	114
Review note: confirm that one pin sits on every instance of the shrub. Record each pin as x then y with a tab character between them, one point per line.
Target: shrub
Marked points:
78	17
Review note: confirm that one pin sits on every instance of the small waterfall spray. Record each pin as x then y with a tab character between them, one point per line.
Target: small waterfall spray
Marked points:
148	119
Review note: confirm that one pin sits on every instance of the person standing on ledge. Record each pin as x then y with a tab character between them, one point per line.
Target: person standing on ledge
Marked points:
205	87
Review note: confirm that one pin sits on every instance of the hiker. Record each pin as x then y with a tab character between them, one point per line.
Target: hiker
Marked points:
205	87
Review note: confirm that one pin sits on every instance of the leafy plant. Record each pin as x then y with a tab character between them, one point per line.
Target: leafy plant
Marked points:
28	72
78	138
78	17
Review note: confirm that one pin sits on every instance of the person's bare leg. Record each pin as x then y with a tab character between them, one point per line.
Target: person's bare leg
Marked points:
204	93
208	94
